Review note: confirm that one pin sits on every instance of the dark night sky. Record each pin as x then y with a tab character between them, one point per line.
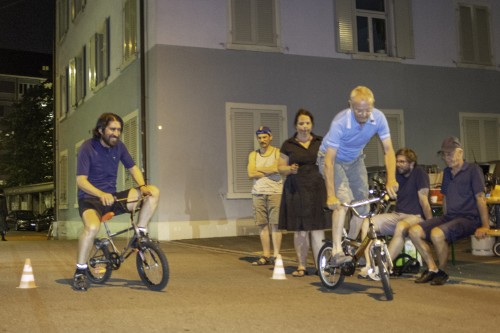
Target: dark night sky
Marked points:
27	25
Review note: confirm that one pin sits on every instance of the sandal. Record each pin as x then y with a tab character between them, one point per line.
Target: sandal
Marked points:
262	261
300	272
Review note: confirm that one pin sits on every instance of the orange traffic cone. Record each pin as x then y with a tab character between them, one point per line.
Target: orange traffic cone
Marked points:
27	279
279	269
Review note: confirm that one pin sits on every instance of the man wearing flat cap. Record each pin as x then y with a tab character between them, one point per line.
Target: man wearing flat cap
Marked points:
464	208
266	194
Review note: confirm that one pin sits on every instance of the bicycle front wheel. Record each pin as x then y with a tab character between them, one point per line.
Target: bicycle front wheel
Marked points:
331	277
383	272
99	266
152	266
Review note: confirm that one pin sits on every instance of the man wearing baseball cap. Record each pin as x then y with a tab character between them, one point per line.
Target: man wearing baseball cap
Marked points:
464	208
266	194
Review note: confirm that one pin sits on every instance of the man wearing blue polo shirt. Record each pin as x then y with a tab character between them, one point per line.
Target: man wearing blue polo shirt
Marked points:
344	171
464	207
97	169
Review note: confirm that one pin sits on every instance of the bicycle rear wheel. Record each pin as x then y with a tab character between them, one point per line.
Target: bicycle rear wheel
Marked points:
99	266
383	272
152	266
331	277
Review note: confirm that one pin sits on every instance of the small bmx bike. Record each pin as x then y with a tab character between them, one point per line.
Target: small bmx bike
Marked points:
332	276
151	262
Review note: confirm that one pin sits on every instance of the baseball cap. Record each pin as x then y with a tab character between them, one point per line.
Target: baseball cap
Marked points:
263	130
449	144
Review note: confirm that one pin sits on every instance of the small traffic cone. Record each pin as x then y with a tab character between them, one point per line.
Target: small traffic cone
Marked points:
27	279
279	269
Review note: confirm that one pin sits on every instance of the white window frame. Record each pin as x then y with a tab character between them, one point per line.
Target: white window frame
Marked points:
480	136
72	82
63	180
77	7
130	31
399	30
374	150
253	43
241	143
130	137
472	37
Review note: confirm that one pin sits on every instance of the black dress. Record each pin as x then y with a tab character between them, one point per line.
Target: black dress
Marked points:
304	193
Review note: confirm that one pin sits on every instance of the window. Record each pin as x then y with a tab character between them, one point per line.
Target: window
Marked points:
72	82
77	7
254	25
480	133
474	35
129	30
374	27
99	56
374	151
130	137
242	120
63	179
62	17
76	79
63	93
77	150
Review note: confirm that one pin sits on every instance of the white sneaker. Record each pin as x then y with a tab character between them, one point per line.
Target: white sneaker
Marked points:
371	274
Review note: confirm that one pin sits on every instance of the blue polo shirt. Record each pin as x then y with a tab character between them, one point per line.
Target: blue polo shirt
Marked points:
408	201
460	191
100	164
349	137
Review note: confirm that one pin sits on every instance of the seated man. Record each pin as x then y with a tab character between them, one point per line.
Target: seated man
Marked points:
464	208
412	205
97	169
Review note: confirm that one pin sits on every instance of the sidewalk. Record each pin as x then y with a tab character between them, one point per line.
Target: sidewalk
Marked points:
468	269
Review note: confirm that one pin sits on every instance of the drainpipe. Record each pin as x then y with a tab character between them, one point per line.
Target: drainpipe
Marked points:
142	58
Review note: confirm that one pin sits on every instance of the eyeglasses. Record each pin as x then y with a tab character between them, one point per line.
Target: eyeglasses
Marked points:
401	162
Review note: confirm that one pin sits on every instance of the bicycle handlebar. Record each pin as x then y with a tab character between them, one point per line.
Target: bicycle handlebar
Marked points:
353	205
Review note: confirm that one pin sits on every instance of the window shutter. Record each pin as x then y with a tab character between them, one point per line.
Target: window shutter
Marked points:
266	34
244	120
403	29
63	178
242	138
344	13
466	34
242	21
481	138
130	139
374	150
483	35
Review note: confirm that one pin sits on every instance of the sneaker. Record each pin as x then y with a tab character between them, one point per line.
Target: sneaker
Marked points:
440	278
340	258
80	281
426	276
371	274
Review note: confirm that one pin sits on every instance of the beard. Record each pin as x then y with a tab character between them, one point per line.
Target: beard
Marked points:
110	140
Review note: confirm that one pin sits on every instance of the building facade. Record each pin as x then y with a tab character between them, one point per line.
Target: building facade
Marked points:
193	79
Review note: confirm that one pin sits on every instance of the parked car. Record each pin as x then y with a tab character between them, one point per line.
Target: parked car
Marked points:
24	220
45	219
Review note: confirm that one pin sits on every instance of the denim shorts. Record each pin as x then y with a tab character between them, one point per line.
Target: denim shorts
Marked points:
351	180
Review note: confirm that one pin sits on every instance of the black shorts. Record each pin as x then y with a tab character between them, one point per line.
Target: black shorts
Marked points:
118	207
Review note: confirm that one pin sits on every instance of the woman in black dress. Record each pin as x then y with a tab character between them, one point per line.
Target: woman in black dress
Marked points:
304	192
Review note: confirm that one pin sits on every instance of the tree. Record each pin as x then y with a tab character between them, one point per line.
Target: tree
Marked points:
27	143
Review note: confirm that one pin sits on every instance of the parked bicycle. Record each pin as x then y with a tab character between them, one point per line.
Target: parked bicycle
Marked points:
151	262
381	264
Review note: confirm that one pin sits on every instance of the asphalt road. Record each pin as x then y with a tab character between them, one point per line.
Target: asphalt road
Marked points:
214	288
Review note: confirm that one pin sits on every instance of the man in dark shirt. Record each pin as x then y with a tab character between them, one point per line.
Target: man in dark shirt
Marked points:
464	207
97	169
412	206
